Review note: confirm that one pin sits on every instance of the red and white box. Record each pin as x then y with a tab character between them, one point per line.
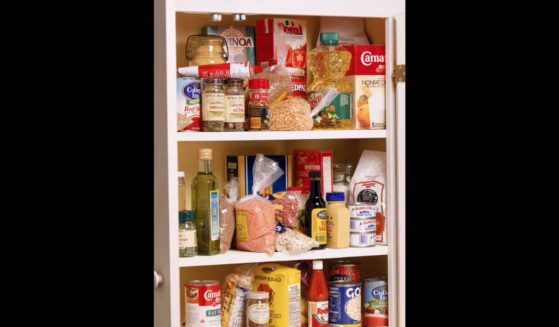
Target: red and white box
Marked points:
308	160
367	76
276	36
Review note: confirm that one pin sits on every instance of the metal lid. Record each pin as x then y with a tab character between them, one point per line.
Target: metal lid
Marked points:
186	216
258	295
201	282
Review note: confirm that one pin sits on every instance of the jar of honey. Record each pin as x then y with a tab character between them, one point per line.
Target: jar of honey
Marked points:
206	50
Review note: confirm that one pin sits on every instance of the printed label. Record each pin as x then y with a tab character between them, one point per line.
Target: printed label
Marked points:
370	192
361	240
339	108
234	108
319	225
259	117
187	238
242	226
213	106
203	306
362	225
318	313
376	296
344	304
258	313
214	214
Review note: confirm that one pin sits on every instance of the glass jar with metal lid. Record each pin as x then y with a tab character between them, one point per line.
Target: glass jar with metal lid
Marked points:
206	49
234	105
258	309
213	105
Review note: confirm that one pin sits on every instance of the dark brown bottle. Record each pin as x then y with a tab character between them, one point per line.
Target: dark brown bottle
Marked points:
315	211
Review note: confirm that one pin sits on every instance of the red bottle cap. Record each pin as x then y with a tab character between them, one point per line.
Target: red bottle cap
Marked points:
259	84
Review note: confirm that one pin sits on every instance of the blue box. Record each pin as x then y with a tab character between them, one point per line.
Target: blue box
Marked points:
241	167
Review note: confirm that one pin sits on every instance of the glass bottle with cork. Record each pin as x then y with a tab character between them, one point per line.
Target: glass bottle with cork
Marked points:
205	205
315	211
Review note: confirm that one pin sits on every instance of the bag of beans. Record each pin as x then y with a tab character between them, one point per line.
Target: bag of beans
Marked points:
254	215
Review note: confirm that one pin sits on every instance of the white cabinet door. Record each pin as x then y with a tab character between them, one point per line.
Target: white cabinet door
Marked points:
400	85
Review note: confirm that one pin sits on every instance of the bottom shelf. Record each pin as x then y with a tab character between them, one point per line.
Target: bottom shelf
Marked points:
236	257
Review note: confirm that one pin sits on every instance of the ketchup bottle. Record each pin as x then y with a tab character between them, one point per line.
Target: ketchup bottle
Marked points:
317	296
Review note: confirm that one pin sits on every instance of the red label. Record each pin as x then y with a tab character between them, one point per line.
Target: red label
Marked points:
298	87
209	295
307	160
258	96
214	71
318	313
366	59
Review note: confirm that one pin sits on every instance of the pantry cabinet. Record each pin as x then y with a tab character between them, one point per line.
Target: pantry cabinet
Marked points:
174	22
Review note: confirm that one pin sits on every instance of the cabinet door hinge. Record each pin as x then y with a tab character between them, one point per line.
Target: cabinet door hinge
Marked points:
399	74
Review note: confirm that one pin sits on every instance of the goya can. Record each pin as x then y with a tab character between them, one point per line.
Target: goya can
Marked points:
376	295
344	304
362	225
203	303
361	240
361	210
345	271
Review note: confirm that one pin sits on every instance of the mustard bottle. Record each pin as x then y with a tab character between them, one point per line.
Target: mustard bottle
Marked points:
337	221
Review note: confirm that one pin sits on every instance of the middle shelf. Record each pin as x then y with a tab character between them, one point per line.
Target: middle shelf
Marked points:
282	135
238	257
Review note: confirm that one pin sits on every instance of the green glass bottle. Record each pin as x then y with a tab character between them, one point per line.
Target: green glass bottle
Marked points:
205	203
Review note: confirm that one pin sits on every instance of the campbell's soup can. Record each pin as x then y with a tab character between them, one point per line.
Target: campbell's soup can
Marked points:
345	271
344	304
298	83
203	303
376	302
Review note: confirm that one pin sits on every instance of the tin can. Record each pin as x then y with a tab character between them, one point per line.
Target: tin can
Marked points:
298	83
361	210
188	104
345	271
361	240
203	303
376	300
344	304
362	225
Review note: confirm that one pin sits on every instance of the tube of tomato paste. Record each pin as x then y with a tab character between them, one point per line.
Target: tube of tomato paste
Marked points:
222	71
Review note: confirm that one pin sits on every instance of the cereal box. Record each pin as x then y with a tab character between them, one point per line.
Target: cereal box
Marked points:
188	104
366	74
284	285
307	160
281	37
240	41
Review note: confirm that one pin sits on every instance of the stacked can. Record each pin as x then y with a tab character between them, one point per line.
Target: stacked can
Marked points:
362	226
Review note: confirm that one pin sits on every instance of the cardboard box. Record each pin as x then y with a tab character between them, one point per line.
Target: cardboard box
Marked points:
240	41
275	36
241	167
366	74
307	160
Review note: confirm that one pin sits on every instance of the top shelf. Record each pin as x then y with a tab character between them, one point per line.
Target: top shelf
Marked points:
281	135
371	8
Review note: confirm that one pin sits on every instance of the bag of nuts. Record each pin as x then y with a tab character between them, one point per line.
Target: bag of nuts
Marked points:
291	115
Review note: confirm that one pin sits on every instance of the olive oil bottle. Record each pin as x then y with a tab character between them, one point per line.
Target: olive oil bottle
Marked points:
205	203
315	212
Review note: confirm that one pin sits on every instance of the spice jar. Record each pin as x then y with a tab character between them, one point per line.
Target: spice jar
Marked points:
234	105
206	49
187	234
258	107
213	105
258	309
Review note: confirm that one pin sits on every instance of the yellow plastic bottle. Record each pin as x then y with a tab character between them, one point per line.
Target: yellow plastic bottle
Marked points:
328	64
337	227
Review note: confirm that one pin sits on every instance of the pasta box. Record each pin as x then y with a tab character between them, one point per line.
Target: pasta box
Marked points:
241	167
307	160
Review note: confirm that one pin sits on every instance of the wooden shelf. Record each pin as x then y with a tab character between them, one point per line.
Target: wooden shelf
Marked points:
238	257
